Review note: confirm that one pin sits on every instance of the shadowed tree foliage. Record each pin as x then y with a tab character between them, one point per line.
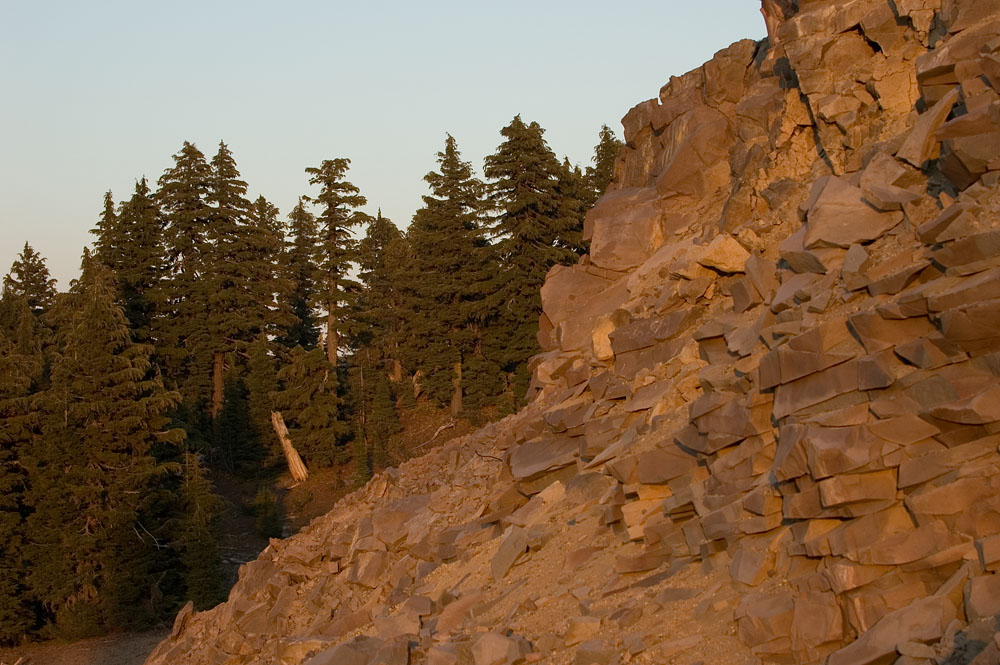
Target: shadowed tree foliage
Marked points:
447	283
531	223
181	329
92	469
299	267
139	246
18	430
309	401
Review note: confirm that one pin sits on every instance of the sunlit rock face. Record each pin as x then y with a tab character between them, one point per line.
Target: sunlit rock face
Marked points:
766	415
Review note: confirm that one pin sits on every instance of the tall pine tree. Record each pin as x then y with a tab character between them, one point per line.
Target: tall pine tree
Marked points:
530	225
448	280
181	328
18	431
139	244
299	267
92	469
338	200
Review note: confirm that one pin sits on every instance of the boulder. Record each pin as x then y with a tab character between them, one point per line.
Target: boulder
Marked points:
838	216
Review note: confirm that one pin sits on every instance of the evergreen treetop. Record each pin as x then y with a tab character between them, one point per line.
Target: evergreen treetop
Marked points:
29	279
338	200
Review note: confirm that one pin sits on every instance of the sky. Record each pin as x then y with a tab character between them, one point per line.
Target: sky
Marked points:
94	95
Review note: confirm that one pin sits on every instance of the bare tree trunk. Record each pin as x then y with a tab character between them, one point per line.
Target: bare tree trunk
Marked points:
295	463
218	383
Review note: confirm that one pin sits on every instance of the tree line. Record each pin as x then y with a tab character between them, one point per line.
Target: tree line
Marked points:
200	315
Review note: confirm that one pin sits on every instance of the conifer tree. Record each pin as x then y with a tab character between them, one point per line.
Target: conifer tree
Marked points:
181	329
92	466
18	427
139	243
200	509
299	267
338	200
529	228
234	314
602	173
107	232
448	279
573	192
29	279
309	401
378	306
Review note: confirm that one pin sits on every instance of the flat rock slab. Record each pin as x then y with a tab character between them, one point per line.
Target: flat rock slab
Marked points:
539	456
839	217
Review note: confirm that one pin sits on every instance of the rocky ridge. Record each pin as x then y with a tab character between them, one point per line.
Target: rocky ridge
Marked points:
766	420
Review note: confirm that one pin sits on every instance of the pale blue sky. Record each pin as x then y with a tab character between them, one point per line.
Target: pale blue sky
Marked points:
96	94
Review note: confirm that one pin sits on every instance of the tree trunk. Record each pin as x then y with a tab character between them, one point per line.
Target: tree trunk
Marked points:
331	335
456	398
218	383
295	463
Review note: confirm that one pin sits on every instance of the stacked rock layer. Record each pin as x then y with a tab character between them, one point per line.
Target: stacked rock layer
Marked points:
765	424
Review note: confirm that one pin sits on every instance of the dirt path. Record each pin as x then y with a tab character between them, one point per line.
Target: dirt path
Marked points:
125	649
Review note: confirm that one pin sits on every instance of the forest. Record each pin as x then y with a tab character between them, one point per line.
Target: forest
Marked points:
199	314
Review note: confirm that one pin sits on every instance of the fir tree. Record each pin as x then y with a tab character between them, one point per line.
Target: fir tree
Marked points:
378	307
29	279
200	509
299	267
309	401
18	427
339	200
106	246
181	328
602	173
530	226
234	314
139	243
573	192
448	278
92	466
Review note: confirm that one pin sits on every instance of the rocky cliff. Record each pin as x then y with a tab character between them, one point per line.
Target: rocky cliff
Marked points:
766	420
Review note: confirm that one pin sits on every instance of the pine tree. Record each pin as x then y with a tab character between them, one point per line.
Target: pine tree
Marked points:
200	509
573	192
602	173
339	200
181	328
529	229
299	267
29	279
448	279
107	232
18	429
309	401
139	243
234	314
92	466
378	305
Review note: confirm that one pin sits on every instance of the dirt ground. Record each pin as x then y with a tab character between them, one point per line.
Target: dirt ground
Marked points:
125	649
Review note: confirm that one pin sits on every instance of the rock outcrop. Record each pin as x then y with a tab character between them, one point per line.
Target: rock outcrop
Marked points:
766	420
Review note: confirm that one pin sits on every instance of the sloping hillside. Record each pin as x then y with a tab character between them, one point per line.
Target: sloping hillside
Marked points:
767	415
